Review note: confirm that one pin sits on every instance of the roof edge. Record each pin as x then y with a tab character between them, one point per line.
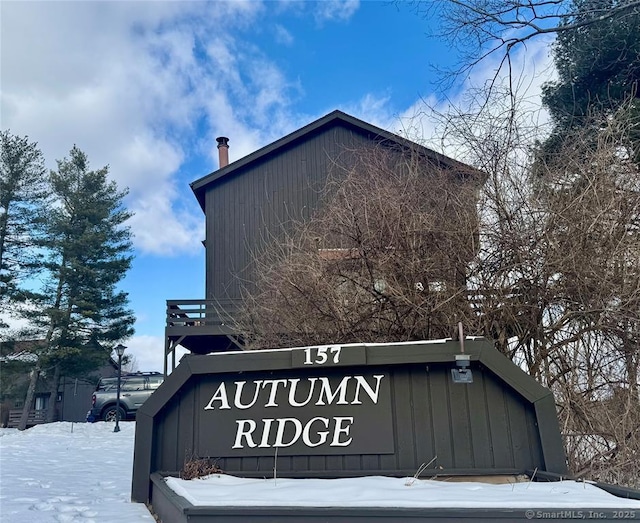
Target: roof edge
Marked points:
198	185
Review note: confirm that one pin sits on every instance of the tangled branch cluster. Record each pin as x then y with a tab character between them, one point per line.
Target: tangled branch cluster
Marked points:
545	261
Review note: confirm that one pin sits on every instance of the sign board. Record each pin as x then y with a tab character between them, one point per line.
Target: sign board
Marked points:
350	410
316	412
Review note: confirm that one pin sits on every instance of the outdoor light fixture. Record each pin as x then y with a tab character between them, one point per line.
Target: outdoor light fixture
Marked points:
462	372
120	352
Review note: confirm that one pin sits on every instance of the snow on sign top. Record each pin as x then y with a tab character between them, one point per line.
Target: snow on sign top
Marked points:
220	490
372	344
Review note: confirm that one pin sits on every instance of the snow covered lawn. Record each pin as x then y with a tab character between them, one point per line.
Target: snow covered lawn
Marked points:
61	472
82	473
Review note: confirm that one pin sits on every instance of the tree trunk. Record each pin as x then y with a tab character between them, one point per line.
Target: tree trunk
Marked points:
53	395
31	391
3	233
631	364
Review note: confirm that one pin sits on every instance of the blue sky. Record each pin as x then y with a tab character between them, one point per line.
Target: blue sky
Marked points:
146	86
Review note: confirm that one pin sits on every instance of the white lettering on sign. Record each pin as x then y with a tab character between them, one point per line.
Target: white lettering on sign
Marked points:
329	395
322	355
273	384
248	432
293	387
322	434
221	396
237	399
362	383
282	432
346	392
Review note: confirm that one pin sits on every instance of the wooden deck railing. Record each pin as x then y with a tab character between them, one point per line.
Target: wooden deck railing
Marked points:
196	313
36	417
201	313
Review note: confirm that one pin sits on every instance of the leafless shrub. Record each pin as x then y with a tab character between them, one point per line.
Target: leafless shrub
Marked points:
384	260
559	277
603	437
199	467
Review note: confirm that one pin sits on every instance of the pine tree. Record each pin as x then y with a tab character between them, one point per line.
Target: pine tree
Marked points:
598	66
80	313
23	199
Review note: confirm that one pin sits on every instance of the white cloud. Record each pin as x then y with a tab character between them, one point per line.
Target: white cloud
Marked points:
335	10
374	109
15	325
172	232
282	36
134	85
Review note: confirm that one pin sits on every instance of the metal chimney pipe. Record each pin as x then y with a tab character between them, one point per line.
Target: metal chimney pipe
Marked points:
223	151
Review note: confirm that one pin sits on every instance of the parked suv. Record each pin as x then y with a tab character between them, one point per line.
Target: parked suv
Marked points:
135	388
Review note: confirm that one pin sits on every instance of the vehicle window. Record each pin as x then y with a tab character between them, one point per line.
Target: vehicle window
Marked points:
132	384
154	383
106	384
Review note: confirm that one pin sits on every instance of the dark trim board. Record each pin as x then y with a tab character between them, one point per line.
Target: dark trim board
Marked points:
171	508
395	473
616	490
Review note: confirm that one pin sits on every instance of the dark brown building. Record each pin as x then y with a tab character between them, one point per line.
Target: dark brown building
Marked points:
257	199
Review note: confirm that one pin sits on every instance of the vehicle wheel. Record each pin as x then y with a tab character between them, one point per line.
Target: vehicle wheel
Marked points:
109	414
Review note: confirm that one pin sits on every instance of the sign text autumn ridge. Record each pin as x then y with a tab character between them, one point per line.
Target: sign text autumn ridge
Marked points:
264	404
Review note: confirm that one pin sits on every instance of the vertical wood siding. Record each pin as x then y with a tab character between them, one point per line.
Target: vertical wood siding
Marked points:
253	206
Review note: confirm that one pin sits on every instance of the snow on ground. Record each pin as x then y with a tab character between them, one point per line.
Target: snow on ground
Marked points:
63	472
377	491
81	472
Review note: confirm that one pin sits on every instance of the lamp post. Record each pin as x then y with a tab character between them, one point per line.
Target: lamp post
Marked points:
120	352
